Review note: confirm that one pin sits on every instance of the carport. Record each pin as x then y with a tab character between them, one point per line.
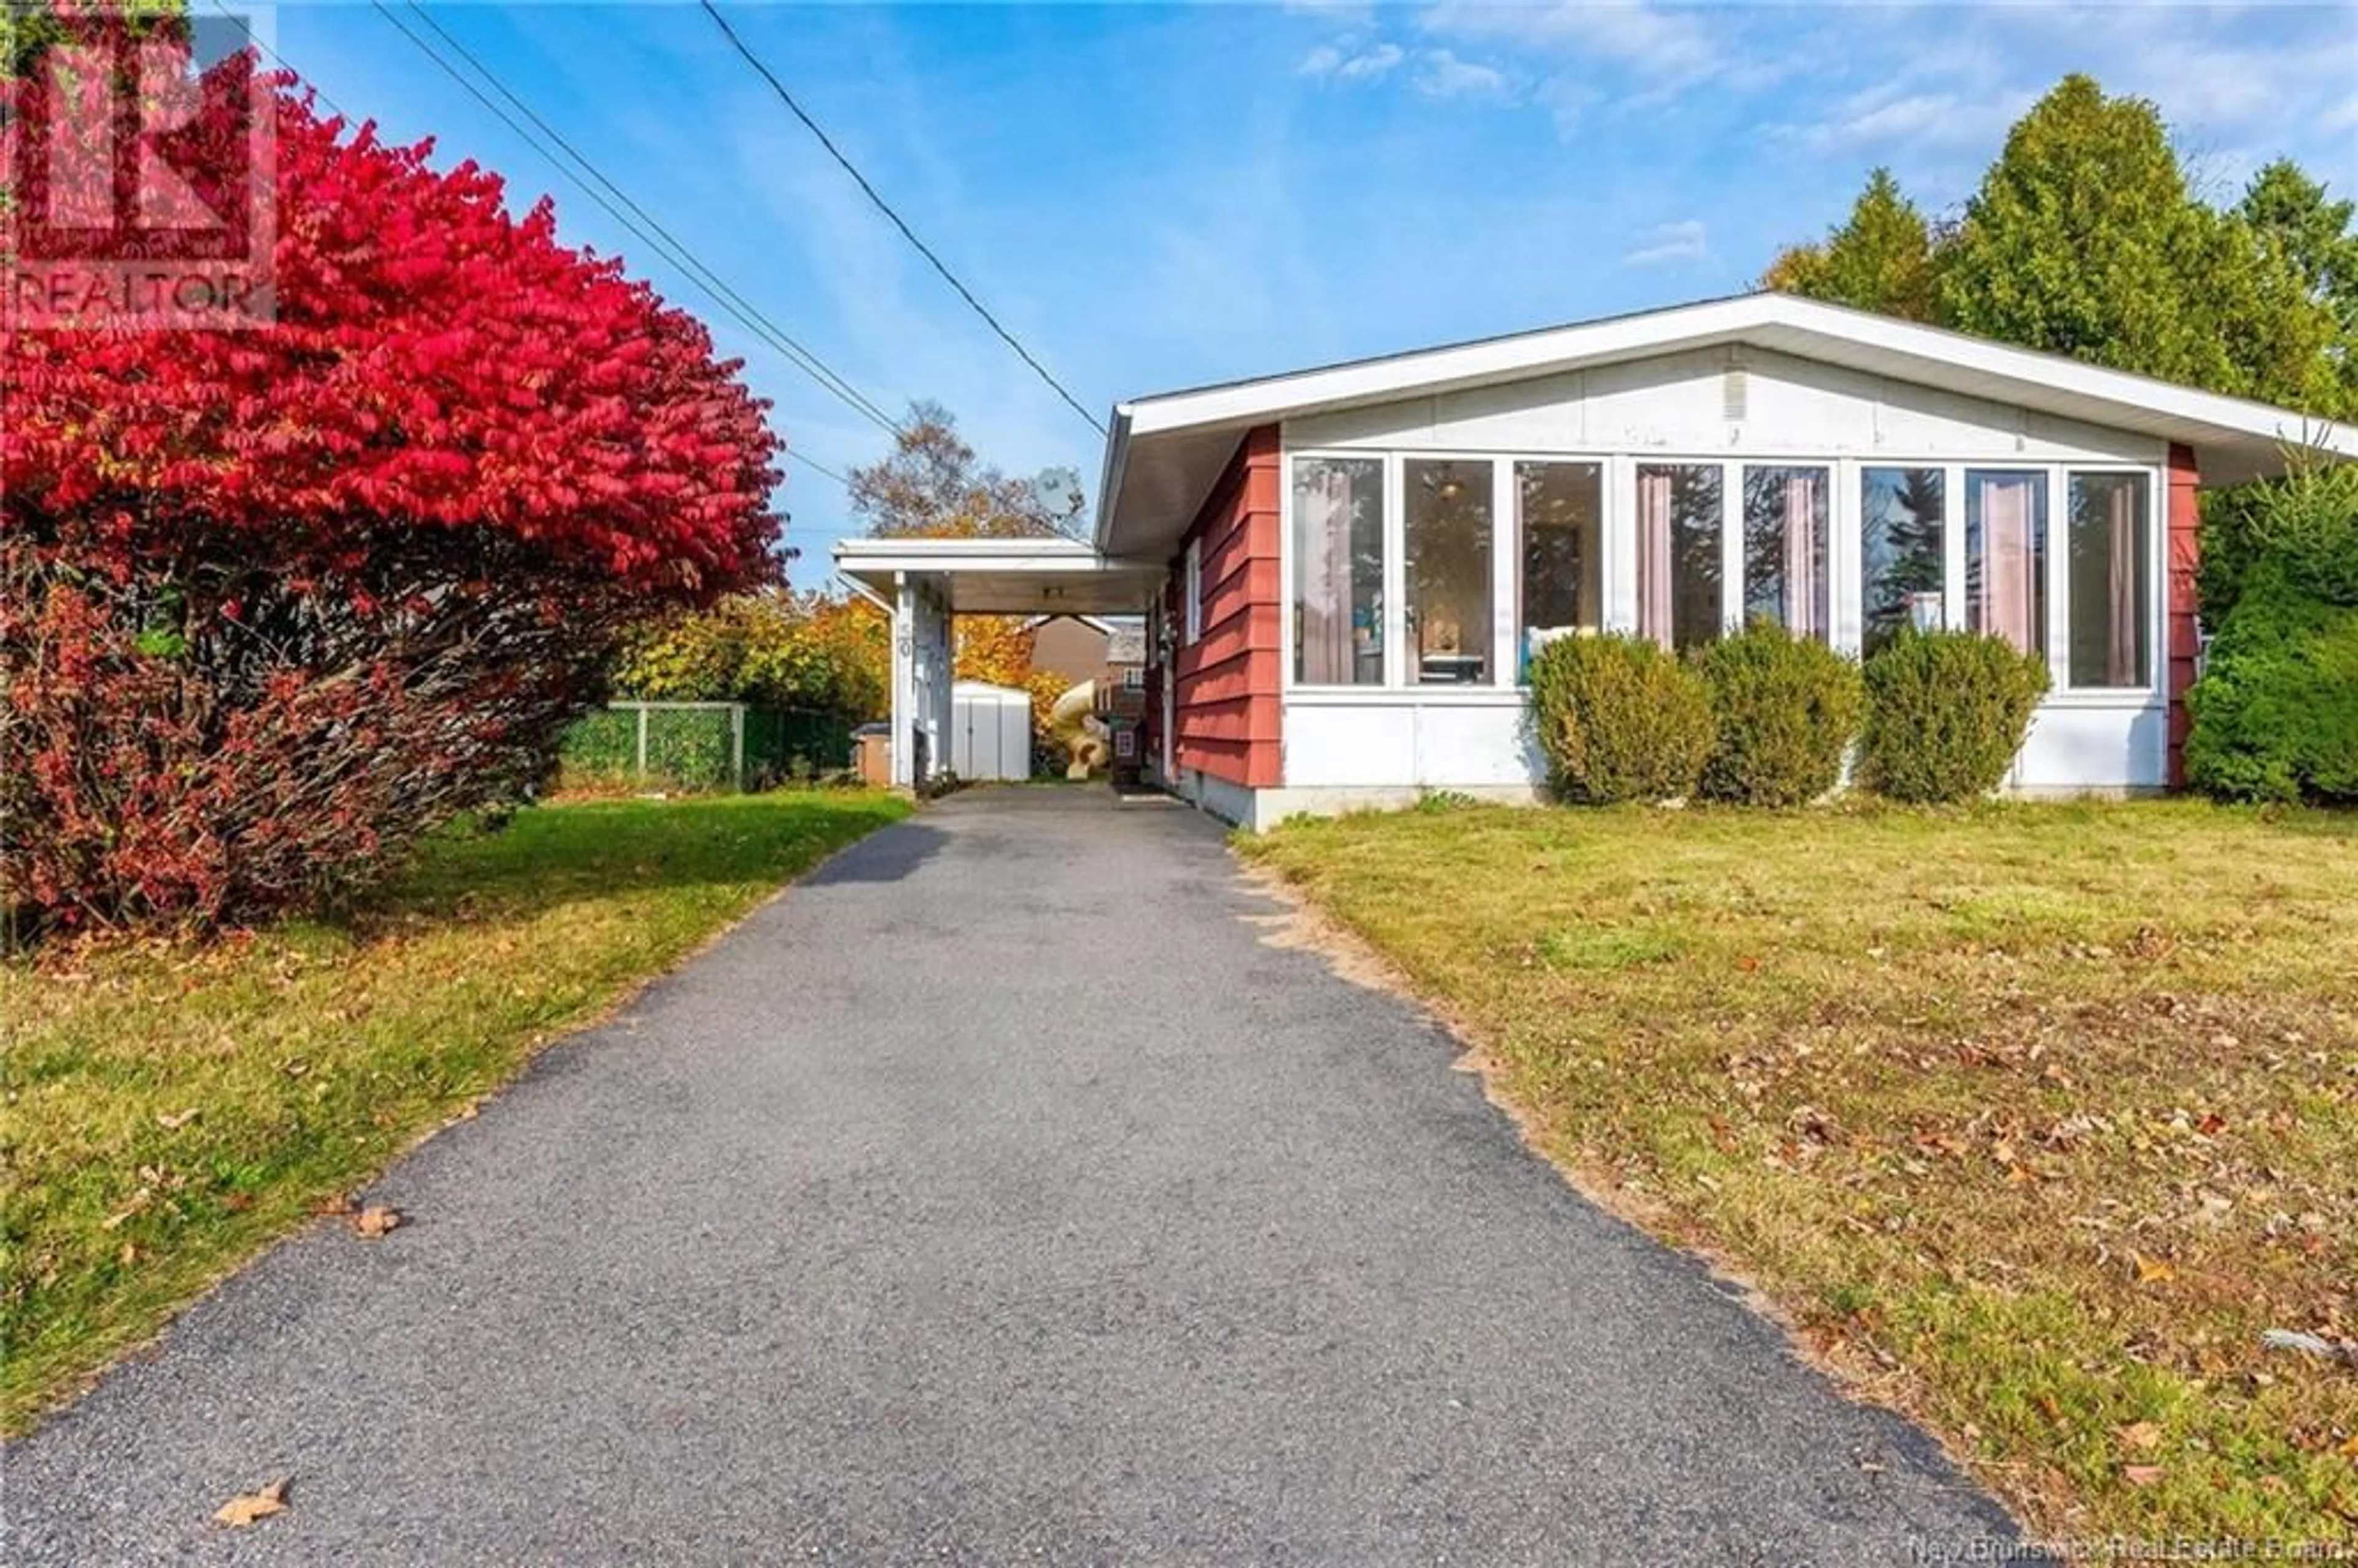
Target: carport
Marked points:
922	583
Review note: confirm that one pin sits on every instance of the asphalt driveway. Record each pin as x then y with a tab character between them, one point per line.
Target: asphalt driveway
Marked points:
997	1194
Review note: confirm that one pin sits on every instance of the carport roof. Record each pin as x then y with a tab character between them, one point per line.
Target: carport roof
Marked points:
1003	577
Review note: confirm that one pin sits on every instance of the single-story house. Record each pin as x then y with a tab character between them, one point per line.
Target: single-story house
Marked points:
1346	569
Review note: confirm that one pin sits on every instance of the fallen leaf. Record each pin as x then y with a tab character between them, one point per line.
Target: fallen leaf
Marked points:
2348	1448
243	1510
2151	1270
375	1221
1748	963
335	1204
174	1123
2143	1435
2141	1474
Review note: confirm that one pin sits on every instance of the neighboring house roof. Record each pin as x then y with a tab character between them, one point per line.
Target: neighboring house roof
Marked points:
1164	452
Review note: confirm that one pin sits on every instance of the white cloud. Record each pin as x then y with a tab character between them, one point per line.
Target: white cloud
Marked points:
1684	240
1328	61
1659	43
1441	74
1887	115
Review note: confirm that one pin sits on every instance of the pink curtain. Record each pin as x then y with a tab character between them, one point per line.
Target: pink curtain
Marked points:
2121	590
1324	593
2005	609
1654	555
1805	564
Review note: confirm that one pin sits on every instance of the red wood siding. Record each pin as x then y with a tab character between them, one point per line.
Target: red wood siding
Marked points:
1226	709
2185	554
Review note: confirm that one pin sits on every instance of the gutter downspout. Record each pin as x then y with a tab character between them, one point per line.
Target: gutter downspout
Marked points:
1116	463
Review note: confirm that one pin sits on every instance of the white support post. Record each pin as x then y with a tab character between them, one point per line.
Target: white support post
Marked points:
737	743
643	743
941	674
904	693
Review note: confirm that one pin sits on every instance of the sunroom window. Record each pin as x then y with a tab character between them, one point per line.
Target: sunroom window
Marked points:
2110	577
1785	527
2005	556
1339	571
1448	561
1560	514
1903	552
1680	573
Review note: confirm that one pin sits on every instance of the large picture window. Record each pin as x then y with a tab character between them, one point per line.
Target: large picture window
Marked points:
2109	583
1785	528
1447	556
2005	556
1560	519
1339	571
1680	575
1902	552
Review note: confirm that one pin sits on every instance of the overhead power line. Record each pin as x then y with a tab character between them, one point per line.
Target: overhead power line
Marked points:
802	355
659	240
899	222
322	93
281	61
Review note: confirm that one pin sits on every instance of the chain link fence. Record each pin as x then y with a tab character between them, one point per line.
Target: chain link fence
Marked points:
693	746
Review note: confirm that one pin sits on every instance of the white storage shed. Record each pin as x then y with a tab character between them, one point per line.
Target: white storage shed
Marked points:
990	731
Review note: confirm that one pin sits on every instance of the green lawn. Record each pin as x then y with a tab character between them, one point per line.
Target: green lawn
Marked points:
169	1111
2031	1118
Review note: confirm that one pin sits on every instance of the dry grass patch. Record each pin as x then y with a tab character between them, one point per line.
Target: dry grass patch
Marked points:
2041	1113
169	1111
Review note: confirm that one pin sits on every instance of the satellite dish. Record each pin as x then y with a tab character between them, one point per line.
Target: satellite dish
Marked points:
1059	489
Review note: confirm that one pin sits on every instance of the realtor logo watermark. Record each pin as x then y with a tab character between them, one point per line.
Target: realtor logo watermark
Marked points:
140	188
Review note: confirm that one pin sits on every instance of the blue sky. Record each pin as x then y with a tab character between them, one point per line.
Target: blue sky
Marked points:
1153	197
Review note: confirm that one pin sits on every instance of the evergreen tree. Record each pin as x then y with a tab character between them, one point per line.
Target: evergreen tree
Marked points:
2290	216
2084	240
2078	239
1883	257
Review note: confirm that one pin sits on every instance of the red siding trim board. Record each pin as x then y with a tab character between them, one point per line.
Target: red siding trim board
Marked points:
2184	555
1226	706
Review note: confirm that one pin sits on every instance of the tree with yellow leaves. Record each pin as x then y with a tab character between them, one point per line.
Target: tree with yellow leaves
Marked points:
933	486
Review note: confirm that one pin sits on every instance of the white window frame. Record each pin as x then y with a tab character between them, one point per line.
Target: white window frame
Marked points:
1618	561
2156	690
1508	531
1402	675
1850	602
1388	472
1731	521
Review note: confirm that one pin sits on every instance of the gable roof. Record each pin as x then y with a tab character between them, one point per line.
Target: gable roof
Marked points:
1187	436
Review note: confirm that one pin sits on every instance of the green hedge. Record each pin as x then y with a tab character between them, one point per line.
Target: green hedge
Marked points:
2276	713
1946	714
691	749
1618	720
603	747
1784	710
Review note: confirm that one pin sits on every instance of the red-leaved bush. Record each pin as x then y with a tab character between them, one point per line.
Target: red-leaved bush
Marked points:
274	602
